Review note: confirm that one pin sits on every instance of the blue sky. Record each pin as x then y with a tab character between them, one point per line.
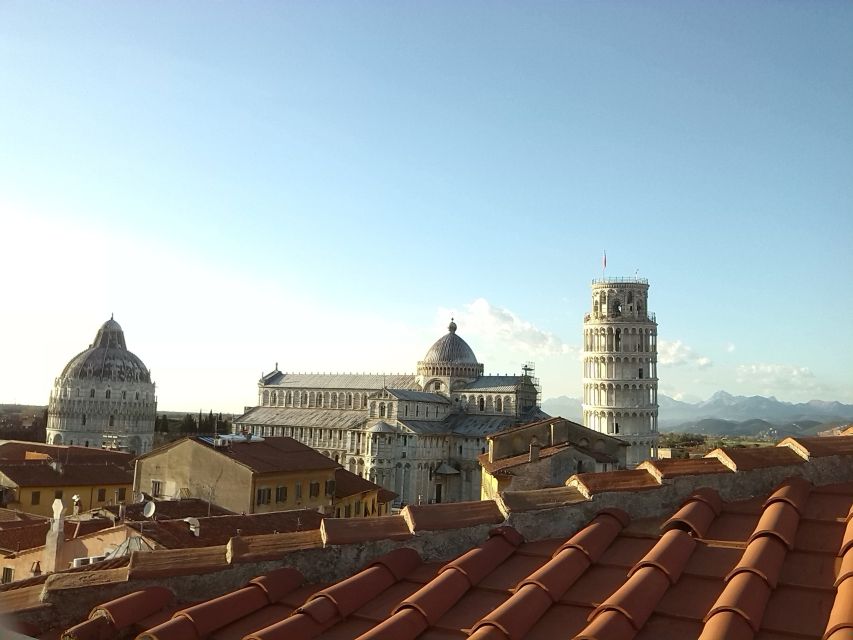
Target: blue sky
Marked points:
323	184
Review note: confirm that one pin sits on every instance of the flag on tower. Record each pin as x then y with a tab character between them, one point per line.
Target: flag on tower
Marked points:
604	260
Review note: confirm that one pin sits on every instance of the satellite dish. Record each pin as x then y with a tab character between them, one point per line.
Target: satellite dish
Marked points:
149	509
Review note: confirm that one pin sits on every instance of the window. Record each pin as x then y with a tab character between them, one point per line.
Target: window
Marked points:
108	394
35	497
124	395
641	373
112	421
264	496
330	487
137	395
156	488
298	491
482	403
92	393
358	507
347	512
281	494
437	386
314	490
8	575
122	494
57	494
102	495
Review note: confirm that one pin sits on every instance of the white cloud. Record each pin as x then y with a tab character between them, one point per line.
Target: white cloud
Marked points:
483	321
676	353
770	377
730	347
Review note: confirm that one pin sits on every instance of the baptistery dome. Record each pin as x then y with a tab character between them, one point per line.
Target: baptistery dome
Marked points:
107	358
104	397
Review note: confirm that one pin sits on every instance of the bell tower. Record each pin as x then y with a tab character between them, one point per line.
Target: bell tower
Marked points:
620	384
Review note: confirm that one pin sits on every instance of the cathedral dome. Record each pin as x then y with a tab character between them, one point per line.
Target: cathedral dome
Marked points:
450	348
107	359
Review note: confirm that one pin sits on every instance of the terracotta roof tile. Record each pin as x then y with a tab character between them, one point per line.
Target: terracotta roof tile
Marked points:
713	561
174	562
100	628
593	539
746	594
816	446
614	481
797	611
170	509
669	555
271	455
349	484
452	515
349	530
695	516
668	468
727	625
278	583
218	530
541	498
763	557
747	459
795	491
691	597
609	625
732	527
845	571
130	609
70	474
180	628
779	519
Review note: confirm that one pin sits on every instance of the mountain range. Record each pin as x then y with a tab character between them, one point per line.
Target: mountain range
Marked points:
723	406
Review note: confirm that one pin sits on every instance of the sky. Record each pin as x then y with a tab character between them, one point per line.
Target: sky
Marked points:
323	185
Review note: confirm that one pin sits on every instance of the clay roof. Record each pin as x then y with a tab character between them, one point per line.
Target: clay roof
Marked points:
70	474
171	509
19	450
217	530
759	554
350	484
31	534
269	455
544	452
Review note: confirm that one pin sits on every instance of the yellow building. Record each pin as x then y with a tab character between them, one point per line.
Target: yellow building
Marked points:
33	475
244	474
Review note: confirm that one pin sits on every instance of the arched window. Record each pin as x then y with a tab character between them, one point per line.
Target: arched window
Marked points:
381	409
112	421
92	393
137	395
84	420
499	405
349	401
124	395
274	397
108	394
482	403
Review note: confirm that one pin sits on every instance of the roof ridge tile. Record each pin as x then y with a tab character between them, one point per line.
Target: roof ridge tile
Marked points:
351	530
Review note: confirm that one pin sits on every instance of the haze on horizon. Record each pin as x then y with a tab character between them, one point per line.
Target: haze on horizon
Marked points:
323	186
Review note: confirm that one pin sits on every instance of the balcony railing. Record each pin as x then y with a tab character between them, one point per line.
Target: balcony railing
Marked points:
620	280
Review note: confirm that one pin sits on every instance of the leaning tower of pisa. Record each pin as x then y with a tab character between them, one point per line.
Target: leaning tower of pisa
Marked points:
620	384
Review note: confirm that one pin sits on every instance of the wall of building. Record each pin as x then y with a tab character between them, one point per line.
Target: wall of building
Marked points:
203	472
39	500
291	490
93	544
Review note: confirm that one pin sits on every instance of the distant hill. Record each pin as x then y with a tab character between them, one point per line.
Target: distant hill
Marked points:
726	414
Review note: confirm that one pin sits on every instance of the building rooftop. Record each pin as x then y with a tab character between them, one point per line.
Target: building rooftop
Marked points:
169	509
761	550
22	450
263	455
41	473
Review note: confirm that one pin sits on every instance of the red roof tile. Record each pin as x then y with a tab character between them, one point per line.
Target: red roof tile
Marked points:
452	515
349	484
746	459
817	447
614	481
667	468
68	474
271	455
350	530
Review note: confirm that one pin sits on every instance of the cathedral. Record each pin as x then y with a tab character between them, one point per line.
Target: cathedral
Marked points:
417	435
104	397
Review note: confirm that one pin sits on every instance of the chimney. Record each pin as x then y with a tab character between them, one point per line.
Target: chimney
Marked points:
534	450
52	558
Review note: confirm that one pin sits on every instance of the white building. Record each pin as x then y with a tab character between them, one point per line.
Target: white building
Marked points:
104	397
620	383
417	435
